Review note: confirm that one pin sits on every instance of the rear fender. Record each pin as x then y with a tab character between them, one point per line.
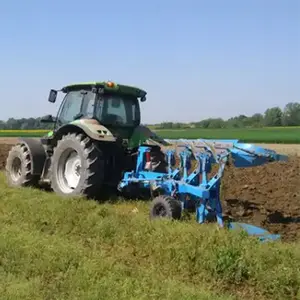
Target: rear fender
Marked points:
37	154
90	127
142	135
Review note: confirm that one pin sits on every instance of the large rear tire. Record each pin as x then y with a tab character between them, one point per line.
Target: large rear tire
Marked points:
77	167
18	167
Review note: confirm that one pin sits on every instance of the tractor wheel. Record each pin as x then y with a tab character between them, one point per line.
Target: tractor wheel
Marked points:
165	207
77	167
18	167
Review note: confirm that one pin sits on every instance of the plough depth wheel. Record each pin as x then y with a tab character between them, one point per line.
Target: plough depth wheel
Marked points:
165	207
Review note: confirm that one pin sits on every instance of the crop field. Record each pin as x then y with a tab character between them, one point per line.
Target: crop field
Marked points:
283	135
23	133
54	248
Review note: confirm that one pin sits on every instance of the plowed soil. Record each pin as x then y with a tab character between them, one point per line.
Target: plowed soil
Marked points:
267	196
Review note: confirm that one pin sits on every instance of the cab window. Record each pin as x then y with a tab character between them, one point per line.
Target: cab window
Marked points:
114	109
71	107
76	103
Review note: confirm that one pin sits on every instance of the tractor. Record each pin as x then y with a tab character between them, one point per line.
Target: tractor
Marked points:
95	139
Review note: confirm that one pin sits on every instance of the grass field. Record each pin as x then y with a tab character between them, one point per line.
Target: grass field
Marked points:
54	248
285	135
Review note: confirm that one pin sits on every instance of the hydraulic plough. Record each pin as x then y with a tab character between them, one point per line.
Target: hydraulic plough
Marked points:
173	191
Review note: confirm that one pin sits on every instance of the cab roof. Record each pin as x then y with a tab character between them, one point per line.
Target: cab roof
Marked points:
108	86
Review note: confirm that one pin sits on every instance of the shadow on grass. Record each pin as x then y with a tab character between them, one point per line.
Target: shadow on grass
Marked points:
109	194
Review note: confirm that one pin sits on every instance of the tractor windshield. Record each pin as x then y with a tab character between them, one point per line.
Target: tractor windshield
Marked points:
117	109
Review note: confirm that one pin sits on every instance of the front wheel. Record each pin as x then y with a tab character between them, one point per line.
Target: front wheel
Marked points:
165	207
77	167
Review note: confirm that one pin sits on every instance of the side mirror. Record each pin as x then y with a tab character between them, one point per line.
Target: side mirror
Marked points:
143	99
52	96
47	119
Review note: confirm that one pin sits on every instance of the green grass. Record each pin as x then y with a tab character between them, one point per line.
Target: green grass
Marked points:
54	248
285	135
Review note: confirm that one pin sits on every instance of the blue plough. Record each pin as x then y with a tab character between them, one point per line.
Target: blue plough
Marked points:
176	189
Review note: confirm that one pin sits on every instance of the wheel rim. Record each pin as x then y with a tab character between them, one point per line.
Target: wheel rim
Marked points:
16	169
68	170
160	211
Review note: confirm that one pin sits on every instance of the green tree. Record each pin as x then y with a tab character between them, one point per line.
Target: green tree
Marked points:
291	114
273	117
238	122
257	120
211	123
216	123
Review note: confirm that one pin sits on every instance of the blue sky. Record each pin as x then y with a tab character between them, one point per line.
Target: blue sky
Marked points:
196	59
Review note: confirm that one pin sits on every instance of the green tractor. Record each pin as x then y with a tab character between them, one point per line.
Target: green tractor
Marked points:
95	138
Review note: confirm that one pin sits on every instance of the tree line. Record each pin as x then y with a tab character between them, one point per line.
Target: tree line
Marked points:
24	124
274	116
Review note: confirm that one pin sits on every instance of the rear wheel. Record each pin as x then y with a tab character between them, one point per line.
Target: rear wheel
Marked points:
77	167
165	207
18	167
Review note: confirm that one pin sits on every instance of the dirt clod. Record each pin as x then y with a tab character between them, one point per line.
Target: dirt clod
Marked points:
267	196
4	148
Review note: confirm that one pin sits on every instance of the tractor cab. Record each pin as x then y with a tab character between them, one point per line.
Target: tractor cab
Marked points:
114	106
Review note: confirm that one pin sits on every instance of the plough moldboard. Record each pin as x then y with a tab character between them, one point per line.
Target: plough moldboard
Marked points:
175	189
